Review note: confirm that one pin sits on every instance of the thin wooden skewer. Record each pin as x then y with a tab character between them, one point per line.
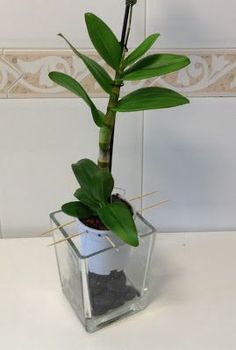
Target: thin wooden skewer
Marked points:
142	196
153	206
110	241
71	222
58	227
66	239
106	237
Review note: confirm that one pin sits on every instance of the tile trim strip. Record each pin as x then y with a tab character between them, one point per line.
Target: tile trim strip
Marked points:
23	73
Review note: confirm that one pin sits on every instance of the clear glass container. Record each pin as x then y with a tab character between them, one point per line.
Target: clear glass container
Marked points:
108	281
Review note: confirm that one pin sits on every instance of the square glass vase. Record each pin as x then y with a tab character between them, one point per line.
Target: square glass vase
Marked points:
103	278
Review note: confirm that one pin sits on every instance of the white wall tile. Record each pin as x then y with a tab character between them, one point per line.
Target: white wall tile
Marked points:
127	166
39	140
36	23
191	23
190	157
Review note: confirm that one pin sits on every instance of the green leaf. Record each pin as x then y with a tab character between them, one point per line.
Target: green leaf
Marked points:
84	171
98	72
150	98
97	116
117	217
86	198
104	40
74	86
96	185
155	65
141	49
77	209
103	186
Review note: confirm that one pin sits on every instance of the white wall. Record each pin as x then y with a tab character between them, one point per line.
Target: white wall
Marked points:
190	158
193	24
189	151
35	24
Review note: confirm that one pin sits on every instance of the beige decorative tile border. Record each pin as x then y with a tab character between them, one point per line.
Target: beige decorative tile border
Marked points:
24	73
211	73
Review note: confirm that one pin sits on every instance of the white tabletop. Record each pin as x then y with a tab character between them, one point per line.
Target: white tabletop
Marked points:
193	301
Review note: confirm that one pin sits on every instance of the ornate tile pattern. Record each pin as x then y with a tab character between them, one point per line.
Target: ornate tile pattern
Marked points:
9	75
211	73
24	73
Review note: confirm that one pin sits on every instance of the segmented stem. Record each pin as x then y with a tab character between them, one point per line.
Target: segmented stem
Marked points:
106	135
106	132
130	2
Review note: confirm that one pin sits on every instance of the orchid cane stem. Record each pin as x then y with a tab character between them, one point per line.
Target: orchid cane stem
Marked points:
106	135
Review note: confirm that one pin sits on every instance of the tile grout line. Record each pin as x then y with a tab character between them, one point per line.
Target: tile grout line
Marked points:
13	67
1	234
142	118
13	84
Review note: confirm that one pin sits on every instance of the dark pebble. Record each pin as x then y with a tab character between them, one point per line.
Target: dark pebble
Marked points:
97	284
99	310
118	275
119	301
115	286
116	281
102	303
95	278
129	293
109	291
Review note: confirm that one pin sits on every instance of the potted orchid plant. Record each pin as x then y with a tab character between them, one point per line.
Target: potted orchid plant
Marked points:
99	211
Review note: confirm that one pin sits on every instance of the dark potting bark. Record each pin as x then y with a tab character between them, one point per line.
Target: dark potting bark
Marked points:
109	291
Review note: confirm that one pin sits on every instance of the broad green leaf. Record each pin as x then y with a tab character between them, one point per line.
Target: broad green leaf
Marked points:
103	186
77	209
117	217
141	49
104	40
84	171
74	86
150	98
98	72
97	116
155	65
86	198
96	185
